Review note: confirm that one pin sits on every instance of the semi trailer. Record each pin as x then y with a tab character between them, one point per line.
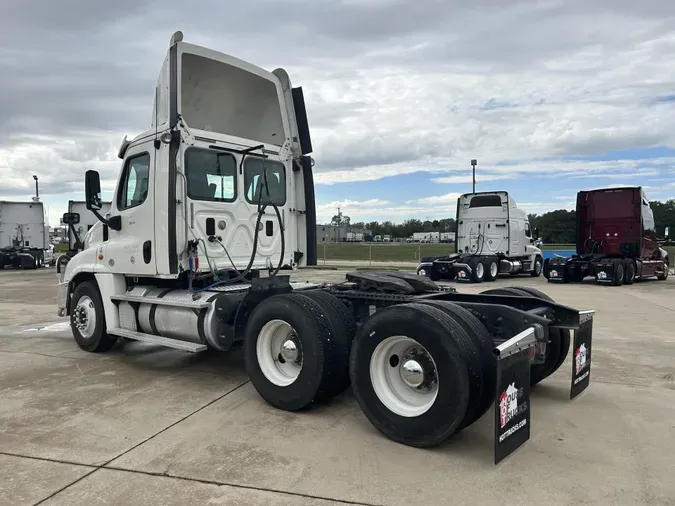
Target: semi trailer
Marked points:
616	240
493	237
24	235
200	260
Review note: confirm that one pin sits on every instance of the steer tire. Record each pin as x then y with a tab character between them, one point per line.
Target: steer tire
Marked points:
482	343
344	330
559	339
443	414
314	330
99	341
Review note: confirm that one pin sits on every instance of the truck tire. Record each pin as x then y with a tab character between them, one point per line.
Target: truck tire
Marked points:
619	272
666	271
546	269
558	347
491	265
537	267
629	269
483	343
477	269
386	374
344	329
286	351
87	319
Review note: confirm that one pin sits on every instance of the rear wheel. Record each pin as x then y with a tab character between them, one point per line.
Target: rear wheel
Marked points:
87	319
344	328
287	351
411	376
619	272
559	339
477	270
491	265
629	269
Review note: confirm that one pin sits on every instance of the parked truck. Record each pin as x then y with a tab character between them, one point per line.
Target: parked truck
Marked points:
493	237
87	220
24	235
197	260
616	240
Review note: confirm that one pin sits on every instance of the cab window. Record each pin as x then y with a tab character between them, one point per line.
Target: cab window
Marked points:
528	233
257	172
135	180
211	175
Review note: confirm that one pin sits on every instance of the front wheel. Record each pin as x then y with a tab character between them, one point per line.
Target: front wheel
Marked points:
87	319
537	268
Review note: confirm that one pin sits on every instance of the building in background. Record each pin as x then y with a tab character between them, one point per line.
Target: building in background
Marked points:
347	233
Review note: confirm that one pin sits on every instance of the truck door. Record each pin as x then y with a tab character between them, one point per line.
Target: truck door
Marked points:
131	250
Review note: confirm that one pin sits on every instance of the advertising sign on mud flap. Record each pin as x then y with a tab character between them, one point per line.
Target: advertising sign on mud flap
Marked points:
512	408
581	358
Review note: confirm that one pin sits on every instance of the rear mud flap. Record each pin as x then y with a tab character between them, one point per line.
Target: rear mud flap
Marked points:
512	404
581	358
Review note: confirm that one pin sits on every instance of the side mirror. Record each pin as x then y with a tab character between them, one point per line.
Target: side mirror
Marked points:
92	190
71	218
536	233
666	233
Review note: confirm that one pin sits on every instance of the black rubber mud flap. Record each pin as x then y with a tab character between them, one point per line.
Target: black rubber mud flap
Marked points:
581	359
512	405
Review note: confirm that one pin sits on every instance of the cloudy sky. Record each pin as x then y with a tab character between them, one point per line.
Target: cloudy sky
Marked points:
550	96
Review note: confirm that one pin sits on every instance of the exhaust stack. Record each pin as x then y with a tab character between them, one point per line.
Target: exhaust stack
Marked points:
37	192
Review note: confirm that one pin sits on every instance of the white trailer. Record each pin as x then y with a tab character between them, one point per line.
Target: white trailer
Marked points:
493	237
24	235
87	221
180	263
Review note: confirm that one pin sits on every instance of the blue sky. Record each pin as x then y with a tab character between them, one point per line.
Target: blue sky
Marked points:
550	96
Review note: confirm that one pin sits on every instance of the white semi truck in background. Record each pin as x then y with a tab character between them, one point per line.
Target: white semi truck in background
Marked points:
77	233
196	261
493	237
24	235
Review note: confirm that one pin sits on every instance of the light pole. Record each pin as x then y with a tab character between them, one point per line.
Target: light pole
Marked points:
37	193
474	162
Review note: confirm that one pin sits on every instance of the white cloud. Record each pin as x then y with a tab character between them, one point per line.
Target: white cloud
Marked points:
392	87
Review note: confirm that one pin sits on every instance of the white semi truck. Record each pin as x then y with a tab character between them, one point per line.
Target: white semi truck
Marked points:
77	233
493	237
216	199
24	235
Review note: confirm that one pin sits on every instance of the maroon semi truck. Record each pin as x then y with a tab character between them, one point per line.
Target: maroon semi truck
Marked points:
616	240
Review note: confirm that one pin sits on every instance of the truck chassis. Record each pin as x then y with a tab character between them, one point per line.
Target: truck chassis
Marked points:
604	269
21	257
477	268
423	361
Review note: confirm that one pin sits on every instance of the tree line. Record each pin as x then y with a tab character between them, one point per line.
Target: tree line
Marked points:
555	227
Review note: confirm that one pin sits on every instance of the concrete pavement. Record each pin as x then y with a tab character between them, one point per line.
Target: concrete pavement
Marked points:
146	424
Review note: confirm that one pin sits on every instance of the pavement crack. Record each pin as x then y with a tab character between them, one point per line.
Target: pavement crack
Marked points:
240	486
48	459
101	466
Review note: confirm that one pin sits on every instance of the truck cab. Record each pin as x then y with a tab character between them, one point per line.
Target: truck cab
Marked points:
220	182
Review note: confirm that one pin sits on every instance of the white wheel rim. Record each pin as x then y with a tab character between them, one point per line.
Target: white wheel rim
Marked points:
279	353
393	374
480	271
537	266
493	269
422	272
84	317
